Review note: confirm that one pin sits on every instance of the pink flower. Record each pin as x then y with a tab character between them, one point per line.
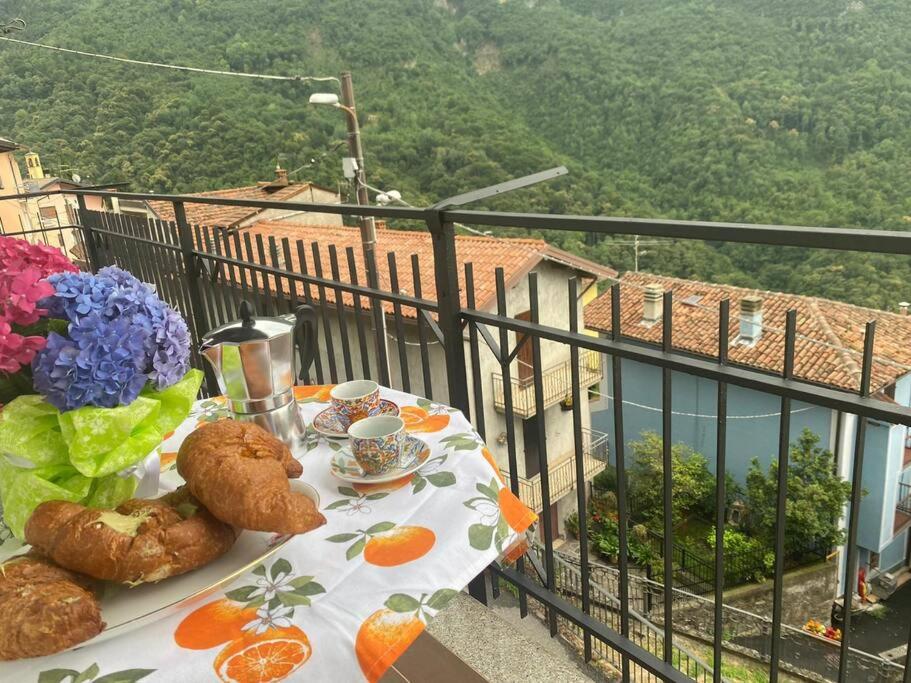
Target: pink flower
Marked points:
23	269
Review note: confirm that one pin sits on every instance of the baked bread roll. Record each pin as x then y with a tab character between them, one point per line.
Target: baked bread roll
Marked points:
142	541
239	471
43	609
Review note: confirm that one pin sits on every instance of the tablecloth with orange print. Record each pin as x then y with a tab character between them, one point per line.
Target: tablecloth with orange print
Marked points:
342	602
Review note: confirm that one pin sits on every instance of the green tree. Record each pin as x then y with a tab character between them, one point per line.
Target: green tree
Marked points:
693	484
815	500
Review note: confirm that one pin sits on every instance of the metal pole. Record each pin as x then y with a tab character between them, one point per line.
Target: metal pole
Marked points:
368	225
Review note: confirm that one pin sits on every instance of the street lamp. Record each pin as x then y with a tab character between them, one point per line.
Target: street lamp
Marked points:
368	226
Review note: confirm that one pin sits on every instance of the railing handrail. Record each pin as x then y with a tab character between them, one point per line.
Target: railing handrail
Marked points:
848	239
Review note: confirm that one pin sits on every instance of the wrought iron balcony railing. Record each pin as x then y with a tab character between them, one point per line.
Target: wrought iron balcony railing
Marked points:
562	472
205	272
556	382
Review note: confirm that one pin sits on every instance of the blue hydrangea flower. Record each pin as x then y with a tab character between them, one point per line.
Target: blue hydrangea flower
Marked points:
120	336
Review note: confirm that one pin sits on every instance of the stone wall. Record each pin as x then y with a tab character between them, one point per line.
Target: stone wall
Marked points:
808	593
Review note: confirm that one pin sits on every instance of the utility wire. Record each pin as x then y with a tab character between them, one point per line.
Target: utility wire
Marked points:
175	67
700	415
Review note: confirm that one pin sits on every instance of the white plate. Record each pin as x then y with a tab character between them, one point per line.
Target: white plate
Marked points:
344	466
332	425
124	609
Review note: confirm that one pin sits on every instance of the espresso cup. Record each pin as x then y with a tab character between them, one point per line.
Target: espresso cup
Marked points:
356	400
376	442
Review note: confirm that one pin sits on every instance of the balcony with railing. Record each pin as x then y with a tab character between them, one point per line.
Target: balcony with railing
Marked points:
902	507
562	471
556	383
205	273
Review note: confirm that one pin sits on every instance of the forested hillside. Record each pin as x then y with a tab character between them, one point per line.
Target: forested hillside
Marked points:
770	111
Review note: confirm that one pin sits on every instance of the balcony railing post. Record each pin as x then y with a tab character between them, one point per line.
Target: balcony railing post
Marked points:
88	239
191	271
446	275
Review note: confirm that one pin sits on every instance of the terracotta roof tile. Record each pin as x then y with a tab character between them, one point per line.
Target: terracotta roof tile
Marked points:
517	256
828	349
227	216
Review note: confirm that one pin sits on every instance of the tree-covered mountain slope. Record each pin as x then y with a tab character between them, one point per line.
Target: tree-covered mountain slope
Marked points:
766	111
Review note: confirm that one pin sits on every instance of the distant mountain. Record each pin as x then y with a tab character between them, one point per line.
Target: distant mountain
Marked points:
767	111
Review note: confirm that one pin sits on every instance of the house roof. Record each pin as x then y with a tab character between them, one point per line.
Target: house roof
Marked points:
830	340
7	145
517	256
229	216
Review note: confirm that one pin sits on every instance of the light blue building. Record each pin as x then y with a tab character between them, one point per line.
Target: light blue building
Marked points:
829	334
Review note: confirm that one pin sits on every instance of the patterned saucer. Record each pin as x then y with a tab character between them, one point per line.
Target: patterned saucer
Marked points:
330	423
414	454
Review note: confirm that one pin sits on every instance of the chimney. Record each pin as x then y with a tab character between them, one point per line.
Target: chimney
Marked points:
750	319
281	175
903	307
653	304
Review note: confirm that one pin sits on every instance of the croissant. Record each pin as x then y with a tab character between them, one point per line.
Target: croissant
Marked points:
239	471
43	609
142	541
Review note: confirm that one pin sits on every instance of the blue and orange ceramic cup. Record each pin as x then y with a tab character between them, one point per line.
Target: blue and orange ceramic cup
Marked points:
376	442
356	400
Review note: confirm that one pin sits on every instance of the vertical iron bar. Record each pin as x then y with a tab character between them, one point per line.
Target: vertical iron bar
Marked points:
579	447
261	255
242	271
289	268
216	278
327	329
358	314
544	474
308	299
422	332
667	327
477	390
399	327
230	294
854	515
340	314
446	277
205	280
378	311
262	305
192	274
88	239
784	438
620	465
724	312
508	415
282	302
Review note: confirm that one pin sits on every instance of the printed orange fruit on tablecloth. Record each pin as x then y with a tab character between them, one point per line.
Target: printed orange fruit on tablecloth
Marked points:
398	546
517	516
488	456
382	638
212	624
265	658
166	460
387	486
419	420
315	392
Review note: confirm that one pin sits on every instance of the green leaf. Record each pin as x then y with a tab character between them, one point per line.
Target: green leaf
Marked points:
480	536
301	581
125	676
440	479
241	594
488	492
355	549
312	588
56	675
88	674
334	445
281	566
342	538
424	403
399	602
440	598
377	496
338	504
380	527
259	602
274	602
260	570
293	599
418	484
348	491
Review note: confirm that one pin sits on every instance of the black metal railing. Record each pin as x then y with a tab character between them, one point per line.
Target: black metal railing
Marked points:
205	271
904	498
